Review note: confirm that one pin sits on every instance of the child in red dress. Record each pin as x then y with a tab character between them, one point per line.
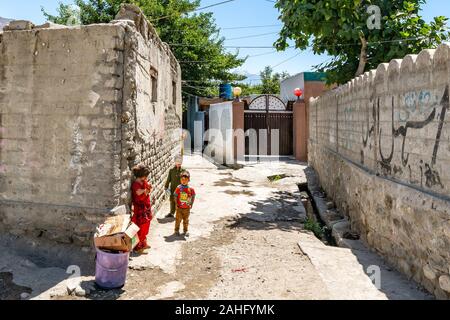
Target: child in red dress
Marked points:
142	209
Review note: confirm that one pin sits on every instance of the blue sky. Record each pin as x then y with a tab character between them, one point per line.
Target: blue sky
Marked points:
233	14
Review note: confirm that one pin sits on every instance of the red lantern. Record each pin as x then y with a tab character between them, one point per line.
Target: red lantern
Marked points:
298	92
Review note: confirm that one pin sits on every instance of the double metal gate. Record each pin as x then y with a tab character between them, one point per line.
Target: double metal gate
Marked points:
269	127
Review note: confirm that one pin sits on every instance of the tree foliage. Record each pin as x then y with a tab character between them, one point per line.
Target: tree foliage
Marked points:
270	81
193	36
340	28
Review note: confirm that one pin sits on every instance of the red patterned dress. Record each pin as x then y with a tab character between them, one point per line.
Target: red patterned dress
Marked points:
142	212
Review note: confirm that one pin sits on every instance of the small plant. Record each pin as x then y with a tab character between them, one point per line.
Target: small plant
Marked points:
277	177
315	227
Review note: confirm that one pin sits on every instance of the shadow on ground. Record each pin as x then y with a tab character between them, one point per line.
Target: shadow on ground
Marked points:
9	290
249	224
33	267
232	182
395	285
166	220
174	237
282	210
100	293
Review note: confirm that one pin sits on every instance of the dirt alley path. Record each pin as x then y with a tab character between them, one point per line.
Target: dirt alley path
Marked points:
243	246
246	234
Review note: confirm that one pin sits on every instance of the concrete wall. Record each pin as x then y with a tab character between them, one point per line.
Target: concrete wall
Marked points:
287	87
220	133
381	146
75	117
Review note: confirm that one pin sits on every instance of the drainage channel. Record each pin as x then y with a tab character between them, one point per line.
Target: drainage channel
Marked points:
315	222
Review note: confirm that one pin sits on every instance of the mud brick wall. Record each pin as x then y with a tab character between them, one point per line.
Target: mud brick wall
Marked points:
381	146
75	117
151	126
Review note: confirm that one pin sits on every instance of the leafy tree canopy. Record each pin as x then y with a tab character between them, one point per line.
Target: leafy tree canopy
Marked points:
270	83
193	36
345	30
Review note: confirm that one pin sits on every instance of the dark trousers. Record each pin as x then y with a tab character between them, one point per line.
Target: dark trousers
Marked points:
173	204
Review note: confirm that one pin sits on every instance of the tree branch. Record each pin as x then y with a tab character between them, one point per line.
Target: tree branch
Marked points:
362	56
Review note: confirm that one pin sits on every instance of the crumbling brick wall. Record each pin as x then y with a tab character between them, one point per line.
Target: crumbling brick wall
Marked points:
381	146
151	127
76	113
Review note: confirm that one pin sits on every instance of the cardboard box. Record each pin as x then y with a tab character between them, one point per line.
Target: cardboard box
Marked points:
115	235
131	233
115	242
113	225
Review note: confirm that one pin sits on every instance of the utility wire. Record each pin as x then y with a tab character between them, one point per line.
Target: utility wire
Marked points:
240	27
251	36
195	10
213	5
196	87
291	47
228	47
209	61
252	27
282	62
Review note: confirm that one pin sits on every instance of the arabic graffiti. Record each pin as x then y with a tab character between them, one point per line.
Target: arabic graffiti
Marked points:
418	104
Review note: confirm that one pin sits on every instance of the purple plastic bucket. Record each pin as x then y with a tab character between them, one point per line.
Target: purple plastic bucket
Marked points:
111	269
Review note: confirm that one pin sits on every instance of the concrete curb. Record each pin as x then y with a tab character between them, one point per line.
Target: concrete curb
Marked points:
333	219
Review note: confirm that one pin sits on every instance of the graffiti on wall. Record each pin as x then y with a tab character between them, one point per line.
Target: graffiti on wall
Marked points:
415	105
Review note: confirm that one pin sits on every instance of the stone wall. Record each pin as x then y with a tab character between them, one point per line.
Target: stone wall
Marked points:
75	116
381	146
151	126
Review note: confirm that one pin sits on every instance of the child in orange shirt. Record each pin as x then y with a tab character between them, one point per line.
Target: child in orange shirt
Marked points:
185	197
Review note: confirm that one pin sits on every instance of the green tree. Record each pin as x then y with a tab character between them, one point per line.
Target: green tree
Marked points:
193	36
345	30
270	82
248	89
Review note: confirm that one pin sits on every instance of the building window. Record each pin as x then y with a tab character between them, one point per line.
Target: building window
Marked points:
174	93
154	83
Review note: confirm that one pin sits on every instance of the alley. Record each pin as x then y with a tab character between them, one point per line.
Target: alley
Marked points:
247	242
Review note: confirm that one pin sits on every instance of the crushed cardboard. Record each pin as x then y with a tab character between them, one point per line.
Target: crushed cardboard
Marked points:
117	233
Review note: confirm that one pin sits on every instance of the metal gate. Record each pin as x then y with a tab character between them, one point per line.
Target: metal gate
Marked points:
269	127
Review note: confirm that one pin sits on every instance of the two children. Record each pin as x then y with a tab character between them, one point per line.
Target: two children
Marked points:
183	198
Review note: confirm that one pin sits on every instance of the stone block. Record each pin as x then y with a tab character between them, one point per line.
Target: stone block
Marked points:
18	25
50	25
441	294
444	283
429	272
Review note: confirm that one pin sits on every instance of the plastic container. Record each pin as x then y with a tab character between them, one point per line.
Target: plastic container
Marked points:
225	91
111	269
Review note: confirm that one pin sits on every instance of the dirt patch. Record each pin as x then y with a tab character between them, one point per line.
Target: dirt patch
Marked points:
265	262
200	266
198	270
241	259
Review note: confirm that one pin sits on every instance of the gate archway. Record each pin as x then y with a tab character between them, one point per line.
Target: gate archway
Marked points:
269	122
